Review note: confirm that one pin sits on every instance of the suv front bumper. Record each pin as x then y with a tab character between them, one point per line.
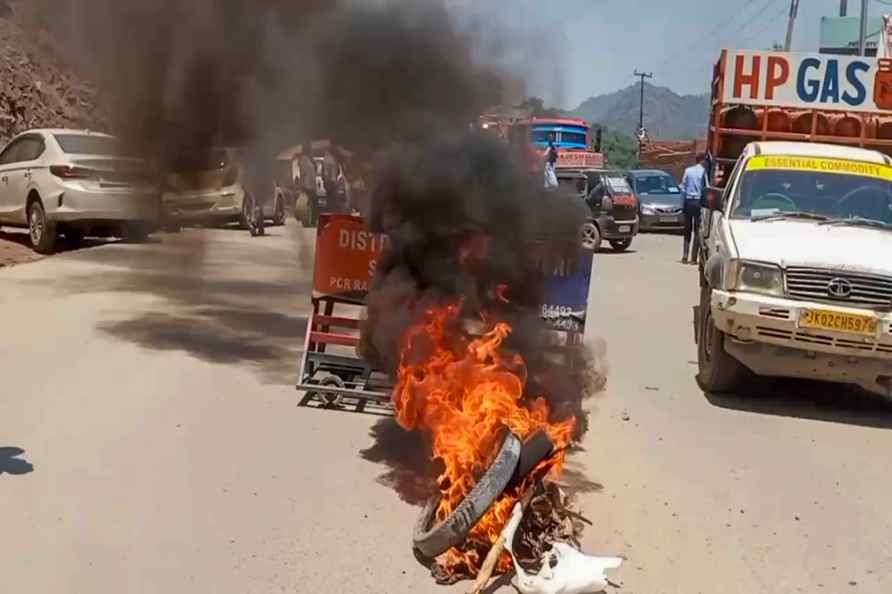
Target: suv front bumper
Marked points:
764	334
613	229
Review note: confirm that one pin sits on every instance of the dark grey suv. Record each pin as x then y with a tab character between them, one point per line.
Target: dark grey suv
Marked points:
613	206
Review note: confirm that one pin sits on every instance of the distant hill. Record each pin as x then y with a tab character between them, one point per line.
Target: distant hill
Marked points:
666	114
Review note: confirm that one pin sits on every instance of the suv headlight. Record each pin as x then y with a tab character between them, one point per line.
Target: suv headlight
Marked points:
648	210
756	277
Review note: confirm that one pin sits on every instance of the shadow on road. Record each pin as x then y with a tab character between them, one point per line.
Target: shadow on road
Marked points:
348	405
405	454
221	335
11	463
663	232
228	301
22	238
609	252
809	400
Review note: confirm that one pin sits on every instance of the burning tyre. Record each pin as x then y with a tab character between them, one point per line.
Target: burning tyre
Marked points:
433	539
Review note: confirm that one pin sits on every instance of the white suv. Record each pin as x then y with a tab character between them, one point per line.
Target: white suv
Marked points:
72	183
797	274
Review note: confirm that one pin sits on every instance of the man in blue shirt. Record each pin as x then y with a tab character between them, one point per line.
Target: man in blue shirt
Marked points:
692	185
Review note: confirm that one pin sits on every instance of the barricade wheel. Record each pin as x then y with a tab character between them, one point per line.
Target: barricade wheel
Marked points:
331	398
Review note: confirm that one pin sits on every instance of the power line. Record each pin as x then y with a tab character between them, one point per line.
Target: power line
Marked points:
707	35
708	61
755	17
744	26
773	17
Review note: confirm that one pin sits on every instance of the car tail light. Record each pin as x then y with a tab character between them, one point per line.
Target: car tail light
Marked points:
69	172
231	177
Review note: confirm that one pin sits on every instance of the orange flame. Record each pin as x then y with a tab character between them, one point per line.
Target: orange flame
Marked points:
466	390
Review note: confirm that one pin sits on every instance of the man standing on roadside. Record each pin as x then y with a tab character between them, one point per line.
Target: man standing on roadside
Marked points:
308	185
692	185
330	169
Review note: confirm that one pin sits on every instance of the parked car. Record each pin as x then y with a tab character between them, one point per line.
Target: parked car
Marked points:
661	202
74	183
614	208
208	188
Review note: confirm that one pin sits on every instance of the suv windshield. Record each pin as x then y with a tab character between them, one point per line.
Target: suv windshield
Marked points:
656	184
81	144
831	189
618	184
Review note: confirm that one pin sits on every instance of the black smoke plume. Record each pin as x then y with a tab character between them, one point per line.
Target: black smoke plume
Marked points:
189	75
396	81
467	223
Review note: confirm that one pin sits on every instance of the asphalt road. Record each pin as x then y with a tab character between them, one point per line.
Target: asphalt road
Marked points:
150	389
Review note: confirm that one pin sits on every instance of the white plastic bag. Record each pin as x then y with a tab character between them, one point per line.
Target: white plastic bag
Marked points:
565	570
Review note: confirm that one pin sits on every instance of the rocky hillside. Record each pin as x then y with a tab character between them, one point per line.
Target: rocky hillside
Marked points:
666	113
39	89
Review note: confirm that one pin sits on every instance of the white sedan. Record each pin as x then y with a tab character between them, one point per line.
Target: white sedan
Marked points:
74	183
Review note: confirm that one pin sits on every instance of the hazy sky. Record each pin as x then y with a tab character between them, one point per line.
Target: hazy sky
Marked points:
601	42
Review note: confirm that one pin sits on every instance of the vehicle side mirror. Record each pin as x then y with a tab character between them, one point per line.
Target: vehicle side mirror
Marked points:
712	198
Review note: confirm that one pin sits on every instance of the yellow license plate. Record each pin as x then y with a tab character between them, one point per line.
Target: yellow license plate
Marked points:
841	322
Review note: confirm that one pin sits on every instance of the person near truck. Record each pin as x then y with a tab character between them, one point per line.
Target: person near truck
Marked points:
692	186
551	157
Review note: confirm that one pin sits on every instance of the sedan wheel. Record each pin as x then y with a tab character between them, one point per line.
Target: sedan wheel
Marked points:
590	236
244	219
279	212
41	230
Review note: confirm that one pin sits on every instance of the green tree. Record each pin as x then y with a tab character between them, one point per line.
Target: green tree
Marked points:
619	150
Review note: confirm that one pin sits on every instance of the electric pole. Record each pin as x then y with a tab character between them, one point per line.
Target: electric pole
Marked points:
642	133
794	10
862	38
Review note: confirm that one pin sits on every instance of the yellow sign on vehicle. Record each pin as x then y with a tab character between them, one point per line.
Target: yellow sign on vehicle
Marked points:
841	322
820	165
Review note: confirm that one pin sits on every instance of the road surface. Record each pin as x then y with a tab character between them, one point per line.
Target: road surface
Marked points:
150	387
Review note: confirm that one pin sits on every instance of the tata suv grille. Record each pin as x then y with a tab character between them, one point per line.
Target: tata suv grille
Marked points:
624	212
839	287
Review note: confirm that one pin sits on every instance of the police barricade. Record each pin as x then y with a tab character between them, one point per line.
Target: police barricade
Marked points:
333	373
